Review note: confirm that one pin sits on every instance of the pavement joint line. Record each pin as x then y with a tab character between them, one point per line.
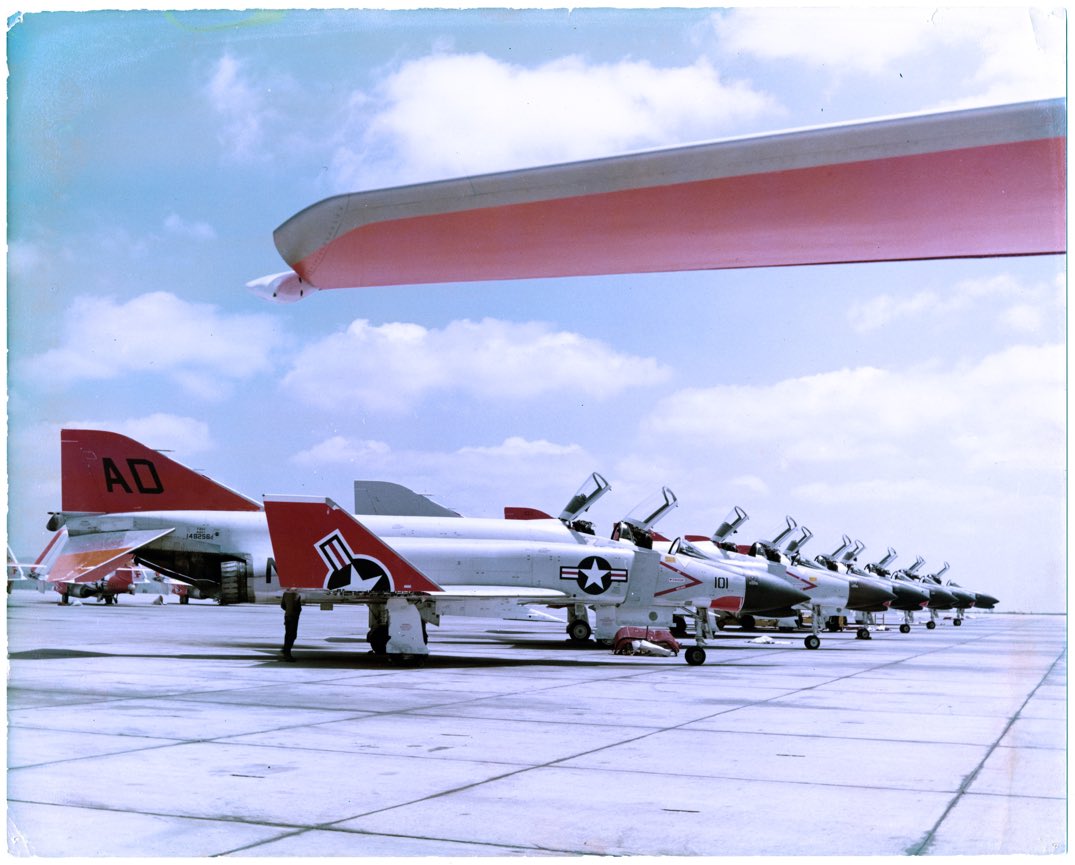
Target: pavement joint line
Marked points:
922	847
555	764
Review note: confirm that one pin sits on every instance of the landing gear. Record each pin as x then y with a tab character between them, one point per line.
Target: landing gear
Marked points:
813	641
378	639
579	631
694	655
183	599
930	625
905	628
747	623
862	634
957	622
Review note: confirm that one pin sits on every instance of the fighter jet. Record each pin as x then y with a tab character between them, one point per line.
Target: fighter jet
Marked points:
414	576
828	594
939	596
964	598
121	498
910	597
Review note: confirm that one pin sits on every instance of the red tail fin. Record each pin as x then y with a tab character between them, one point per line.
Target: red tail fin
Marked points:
105	472
318	545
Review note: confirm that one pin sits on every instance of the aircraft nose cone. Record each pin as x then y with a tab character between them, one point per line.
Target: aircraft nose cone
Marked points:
865	595
908	597
963	599
941	599
765	592
986	602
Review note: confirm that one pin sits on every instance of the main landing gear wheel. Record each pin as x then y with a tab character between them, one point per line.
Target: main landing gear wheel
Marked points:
695	656
579	631
931	625
862	634
957	622
747	622
905	628
812	642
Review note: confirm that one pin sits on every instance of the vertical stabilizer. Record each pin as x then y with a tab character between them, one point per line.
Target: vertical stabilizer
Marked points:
317	545
107	473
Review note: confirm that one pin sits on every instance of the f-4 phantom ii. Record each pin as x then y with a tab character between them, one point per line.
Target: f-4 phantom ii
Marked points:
828	594
121	498
907	596
409	575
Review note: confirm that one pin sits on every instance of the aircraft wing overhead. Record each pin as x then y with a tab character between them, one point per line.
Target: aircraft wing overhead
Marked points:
88	558
972	183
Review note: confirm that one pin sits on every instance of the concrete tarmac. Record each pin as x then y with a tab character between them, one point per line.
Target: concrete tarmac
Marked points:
147	730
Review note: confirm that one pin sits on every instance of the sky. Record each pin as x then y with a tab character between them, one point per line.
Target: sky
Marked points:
917	405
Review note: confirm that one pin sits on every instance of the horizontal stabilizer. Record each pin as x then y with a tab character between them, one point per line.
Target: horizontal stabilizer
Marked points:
88	558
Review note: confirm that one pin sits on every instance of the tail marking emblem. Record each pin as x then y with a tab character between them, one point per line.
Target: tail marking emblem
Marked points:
349	571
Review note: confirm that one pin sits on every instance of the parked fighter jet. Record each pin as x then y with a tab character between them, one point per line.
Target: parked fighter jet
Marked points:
964	599
842	561
828	594
415	575
978	182
939	597
765	594
909	596
121	498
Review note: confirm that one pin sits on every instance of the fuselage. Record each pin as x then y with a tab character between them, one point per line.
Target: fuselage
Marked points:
452	551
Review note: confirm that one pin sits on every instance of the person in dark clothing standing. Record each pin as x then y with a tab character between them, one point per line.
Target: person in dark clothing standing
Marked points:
291	604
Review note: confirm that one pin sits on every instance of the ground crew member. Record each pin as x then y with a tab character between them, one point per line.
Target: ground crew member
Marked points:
291	604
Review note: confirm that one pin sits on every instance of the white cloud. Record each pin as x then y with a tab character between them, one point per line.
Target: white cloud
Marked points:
516	447
1017	53
184	435
1020	307
846	39
454	114
340	450
477	480
176	225
1005	411
392	367
195	345
241	106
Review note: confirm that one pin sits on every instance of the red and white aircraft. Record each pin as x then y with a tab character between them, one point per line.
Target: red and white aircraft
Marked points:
971	183
122	499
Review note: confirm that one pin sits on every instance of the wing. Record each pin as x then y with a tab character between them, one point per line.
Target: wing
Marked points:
979	182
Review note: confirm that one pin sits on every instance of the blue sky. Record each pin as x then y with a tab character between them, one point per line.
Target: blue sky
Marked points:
151	154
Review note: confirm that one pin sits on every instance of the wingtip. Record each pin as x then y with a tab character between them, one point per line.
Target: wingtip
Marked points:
286	287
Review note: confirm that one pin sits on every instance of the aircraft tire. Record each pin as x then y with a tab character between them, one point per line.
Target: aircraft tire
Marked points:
695	656
862	634
812	642
183	599
931	625
747	623
905	628
957	622
579	631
